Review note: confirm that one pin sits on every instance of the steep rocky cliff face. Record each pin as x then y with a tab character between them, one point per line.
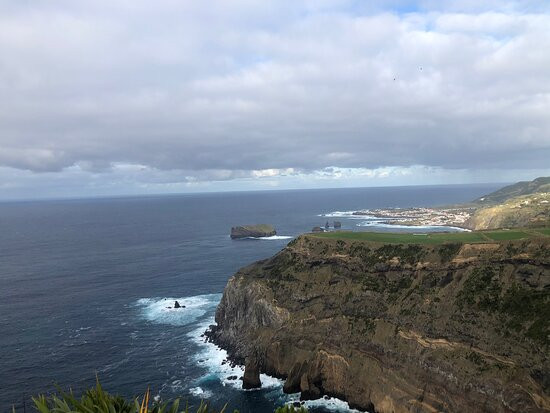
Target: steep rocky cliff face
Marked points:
398	328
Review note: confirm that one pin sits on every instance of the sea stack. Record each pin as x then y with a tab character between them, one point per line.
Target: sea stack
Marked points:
252	231
251	377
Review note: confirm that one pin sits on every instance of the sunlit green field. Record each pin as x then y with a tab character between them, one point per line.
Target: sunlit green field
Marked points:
434	237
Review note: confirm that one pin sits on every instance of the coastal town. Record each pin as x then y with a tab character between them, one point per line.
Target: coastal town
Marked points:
452	217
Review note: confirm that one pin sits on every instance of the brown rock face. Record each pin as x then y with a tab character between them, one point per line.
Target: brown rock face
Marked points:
251	377
397	328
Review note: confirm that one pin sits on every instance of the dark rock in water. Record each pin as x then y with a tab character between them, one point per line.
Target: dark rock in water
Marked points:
178	305
251	378
309	391
254	231
232	378
337	224
317	229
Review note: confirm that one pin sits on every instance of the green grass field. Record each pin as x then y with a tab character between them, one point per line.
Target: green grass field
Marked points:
506	235
432	238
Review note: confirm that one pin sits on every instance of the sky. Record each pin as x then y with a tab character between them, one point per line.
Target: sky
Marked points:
122	97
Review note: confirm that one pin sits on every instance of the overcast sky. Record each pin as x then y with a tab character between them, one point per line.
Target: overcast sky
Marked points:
105	97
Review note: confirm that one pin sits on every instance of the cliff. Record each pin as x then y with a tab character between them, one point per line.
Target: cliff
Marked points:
397	328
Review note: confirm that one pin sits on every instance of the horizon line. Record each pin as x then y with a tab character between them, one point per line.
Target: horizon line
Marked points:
175	194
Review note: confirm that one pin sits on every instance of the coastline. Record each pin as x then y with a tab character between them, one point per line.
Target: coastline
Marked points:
453	218
274	311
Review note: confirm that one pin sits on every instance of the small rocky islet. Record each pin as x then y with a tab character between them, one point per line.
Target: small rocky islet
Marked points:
252	231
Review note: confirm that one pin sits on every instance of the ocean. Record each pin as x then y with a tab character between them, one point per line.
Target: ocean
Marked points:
85	286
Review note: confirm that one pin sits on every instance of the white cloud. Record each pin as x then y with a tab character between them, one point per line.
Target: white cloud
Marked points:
204	91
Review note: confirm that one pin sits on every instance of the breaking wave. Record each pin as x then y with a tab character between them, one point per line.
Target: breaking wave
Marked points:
273	237
411	227
346	214
162	311
214	360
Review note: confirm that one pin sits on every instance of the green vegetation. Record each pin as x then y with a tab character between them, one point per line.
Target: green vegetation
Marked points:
481	290
537	185
435	238
522	310
544	231
530	309
406	238
97	400
506	235
409	254
448	251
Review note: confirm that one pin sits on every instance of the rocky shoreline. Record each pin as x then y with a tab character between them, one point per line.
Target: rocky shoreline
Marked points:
392	328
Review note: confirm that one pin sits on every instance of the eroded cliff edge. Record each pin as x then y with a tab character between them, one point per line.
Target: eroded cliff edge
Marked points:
398	328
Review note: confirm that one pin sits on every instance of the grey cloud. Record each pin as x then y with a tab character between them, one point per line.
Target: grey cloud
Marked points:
216	91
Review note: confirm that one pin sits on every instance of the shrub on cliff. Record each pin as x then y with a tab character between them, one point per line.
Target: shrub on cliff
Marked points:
97	400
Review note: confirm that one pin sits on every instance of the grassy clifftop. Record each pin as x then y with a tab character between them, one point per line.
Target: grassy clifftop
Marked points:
399	326
438	237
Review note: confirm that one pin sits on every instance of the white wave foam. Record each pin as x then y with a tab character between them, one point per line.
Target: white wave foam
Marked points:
346	214
157	310
411	227
329	403
273	237
200	392
214	360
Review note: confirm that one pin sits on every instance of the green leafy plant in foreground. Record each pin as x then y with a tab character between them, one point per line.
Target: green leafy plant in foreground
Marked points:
97	400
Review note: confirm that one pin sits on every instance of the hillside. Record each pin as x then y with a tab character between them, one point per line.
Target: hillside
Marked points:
455	327
537	185
521	211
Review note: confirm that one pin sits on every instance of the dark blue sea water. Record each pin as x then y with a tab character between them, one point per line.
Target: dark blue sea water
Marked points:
84	286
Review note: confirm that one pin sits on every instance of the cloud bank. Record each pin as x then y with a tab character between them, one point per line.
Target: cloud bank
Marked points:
209	91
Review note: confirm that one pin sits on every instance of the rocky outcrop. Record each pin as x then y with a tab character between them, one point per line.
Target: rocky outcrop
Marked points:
397	328
252	231
251	377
